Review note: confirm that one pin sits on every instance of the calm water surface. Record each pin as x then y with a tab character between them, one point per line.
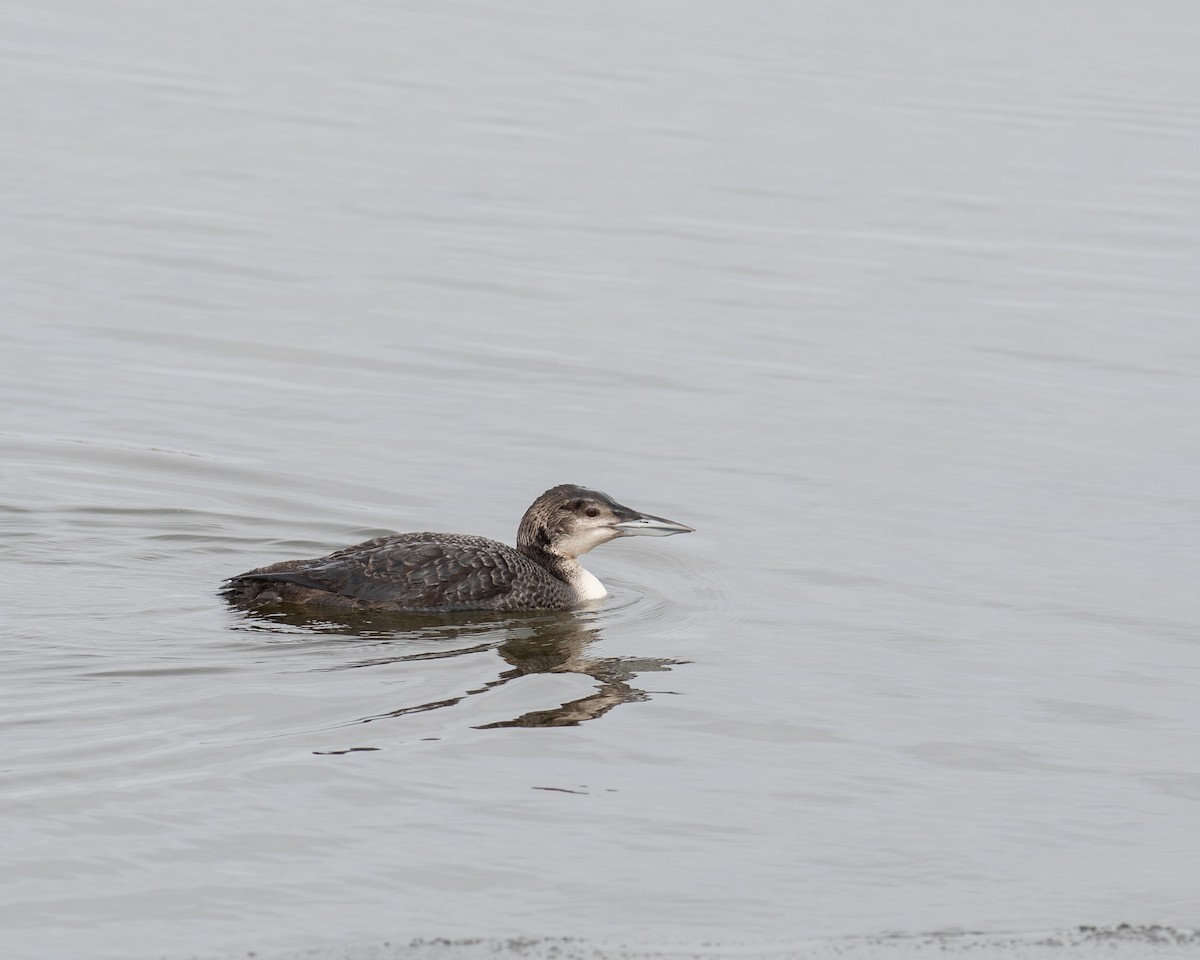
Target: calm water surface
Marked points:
895	305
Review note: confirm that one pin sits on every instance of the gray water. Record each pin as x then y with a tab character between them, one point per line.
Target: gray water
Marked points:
894	303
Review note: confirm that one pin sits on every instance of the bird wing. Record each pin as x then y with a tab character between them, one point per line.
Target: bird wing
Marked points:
413	570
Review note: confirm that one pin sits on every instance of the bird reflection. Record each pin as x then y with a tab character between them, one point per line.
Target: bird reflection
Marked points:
529	643
562	648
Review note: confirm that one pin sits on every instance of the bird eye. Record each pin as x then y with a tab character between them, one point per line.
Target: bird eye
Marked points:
592	511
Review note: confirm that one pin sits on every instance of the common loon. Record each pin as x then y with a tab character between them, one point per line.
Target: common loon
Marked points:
449	571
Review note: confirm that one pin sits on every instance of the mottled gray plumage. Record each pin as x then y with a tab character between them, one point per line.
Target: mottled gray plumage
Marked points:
449	571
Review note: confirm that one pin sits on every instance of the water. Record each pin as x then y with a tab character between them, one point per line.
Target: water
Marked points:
895	305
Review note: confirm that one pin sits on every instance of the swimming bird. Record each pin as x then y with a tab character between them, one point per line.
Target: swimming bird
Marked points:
450	571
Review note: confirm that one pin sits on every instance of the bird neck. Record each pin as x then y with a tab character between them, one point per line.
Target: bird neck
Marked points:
567	569
540	553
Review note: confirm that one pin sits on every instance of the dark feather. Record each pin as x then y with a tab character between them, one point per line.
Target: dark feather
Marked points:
417	571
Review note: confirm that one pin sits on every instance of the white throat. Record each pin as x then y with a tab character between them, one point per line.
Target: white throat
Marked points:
586	585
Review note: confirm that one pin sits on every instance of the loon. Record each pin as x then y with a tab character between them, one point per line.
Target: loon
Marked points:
450	571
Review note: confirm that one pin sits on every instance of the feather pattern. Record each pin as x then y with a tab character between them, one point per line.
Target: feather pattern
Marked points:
417	571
